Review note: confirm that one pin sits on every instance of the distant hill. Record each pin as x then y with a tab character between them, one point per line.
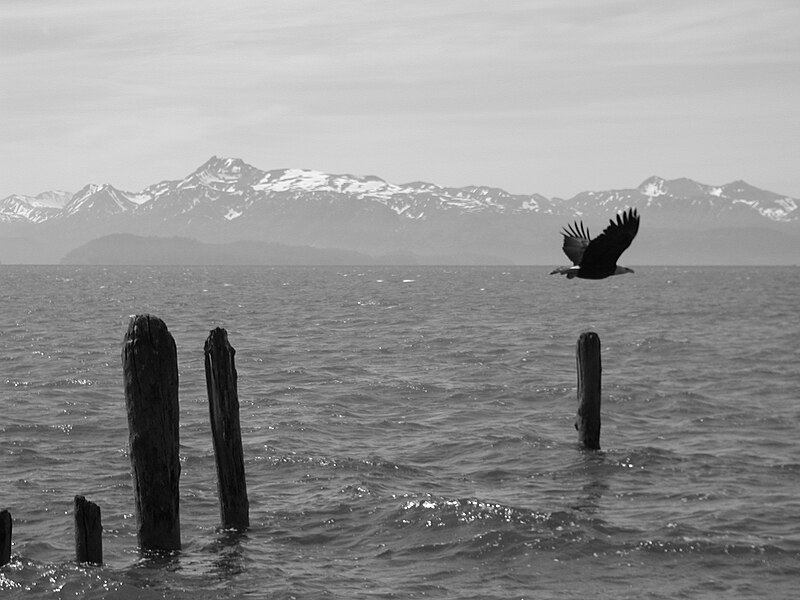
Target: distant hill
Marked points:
128	249
226	202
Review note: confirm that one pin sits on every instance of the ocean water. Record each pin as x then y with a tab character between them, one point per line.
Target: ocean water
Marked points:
408	432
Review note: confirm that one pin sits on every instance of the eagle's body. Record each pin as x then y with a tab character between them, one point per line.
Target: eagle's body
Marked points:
597	258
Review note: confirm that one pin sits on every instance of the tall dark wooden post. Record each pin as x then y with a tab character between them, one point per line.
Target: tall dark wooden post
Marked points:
223	402
88	532
5	537
588	419
150	366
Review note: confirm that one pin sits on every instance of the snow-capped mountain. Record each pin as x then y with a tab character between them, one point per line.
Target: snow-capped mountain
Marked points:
102	200
227	200
228	188
34	209
734	203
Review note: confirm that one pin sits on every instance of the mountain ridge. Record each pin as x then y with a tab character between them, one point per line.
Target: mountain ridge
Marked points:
235	177
228	200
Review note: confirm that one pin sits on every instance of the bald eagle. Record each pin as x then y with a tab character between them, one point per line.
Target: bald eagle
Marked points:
597	258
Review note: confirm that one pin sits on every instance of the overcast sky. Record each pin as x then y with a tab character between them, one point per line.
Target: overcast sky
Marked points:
547	96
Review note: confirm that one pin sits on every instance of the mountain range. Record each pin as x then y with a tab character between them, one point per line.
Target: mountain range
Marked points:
230	212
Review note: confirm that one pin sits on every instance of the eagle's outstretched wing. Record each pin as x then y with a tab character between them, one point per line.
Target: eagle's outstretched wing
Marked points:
576	239
602	253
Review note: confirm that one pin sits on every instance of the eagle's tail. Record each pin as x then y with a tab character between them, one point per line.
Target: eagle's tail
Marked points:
570	272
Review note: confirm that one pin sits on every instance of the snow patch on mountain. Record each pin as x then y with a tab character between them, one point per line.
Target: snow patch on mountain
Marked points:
300	179
653	187
786	209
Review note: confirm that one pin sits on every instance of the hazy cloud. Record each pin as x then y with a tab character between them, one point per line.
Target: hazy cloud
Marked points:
533	96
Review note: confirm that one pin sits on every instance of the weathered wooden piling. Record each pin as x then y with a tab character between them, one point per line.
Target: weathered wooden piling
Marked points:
5	537
150	366
588	418
88	532
223	402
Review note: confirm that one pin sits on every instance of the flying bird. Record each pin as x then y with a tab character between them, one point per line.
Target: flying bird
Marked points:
597	258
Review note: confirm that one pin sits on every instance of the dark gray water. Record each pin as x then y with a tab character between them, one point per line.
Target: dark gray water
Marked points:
408	432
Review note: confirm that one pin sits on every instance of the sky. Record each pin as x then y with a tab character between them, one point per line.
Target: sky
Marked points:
533	96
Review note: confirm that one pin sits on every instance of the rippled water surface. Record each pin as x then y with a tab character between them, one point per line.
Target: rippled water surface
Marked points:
408	432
